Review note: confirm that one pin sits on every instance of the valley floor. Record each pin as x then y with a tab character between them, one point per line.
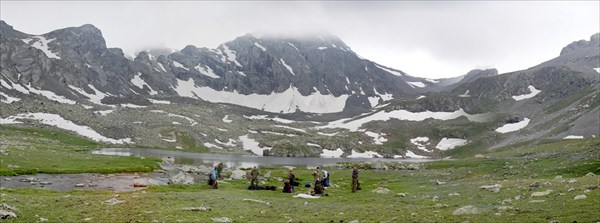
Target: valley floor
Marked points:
556	181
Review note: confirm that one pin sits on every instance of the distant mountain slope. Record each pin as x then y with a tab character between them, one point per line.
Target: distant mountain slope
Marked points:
273	73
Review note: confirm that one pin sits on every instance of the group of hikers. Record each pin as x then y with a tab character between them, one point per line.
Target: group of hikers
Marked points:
321	180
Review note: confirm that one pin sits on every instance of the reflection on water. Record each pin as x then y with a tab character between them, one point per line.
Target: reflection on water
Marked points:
238	161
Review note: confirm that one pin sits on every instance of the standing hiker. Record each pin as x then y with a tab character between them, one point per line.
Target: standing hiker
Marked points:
317	175
354	179
213	178
219	170
254	180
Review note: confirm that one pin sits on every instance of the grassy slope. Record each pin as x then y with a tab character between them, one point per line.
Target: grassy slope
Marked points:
28	151
514	168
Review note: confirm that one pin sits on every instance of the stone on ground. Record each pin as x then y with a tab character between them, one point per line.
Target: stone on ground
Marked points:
541	194
469	209
182	178
579	197
238	175
222	219
381	190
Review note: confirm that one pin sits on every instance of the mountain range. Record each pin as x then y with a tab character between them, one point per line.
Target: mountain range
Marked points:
288	96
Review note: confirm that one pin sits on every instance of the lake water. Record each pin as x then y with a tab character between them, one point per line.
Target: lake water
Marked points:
239	161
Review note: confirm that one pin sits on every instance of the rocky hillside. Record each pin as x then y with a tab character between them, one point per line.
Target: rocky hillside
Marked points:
271	73
287	96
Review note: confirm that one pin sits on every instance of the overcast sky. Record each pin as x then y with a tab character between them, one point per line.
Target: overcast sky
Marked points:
425	39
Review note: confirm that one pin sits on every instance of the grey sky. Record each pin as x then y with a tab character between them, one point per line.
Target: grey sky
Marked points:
426	39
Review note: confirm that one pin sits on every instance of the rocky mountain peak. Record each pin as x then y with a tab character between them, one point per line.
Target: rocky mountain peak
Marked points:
8	31
582	45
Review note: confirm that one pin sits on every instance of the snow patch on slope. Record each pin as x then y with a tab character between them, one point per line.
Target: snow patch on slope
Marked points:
41	43
206	71
354	125
411	154
389	71
378	138
285	102
8	99
177	64
511	127
287	67
533	93
226	119
252	145
367	154
332	153
260	46
58	121
416	84
139	82
450	143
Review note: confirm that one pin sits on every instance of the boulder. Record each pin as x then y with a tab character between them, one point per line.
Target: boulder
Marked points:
112	201
541	194
590	174
400	195
238	175
378	165
79	185
268	175
222	219
469	209
493	188
201	208
181	178
579	197
4	214
144	182
381	190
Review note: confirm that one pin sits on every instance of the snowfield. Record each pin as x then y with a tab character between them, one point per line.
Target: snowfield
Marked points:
573	137
354	125
252	145
416	84
332	153
533	93
285	102
367	154
56	120
450	143
410	154
511	127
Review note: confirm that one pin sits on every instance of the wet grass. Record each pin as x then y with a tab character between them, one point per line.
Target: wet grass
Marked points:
459	181
31	151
